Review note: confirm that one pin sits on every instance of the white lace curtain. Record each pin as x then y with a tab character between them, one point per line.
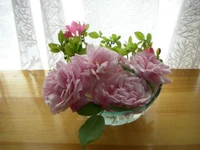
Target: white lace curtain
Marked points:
27	26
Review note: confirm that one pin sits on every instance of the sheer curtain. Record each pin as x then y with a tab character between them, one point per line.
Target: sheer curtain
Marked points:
27	26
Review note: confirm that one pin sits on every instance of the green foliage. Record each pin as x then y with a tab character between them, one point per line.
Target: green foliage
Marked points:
87	27
77	44
91	130
151	85
113	43
93	35
148	38
100	33
73	46
69	51
158	51
61	37
127	68
119	44
121	51
139	35
89	109
143	43
54	47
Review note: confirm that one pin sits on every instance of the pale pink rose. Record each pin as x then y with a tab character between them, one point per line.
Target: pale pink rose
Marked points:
90	69
101	56
97	65
75	29
97	60
62	87
89	83
82	62
51	94
50	83
147	66
105	61
76	81
123	89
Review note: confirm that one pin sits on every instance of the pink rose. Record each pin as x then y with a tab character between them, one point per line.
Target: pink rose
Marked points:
105	61
62	87
82	62
147	66
150	50
123	89
97	65
75	29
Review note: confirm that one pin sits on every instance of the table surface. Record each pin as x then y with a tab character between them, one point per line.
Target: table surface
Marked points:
172	122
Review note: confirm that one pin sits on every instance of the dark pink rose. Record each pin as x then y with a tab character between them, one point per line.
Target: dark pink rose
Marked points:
150	50
76	29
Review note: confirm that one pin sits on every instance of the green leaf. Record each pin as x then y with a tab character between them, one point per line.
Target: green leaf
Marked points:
130	40
158	51
139	42
91	130
151	85
82	51
87	26
54	47
118	37
139	35
102	41
101	45
145	45
60	37
89	109
133	46
114	37
55	50
122	51
139	50
150	44
149	37
119	44
100	33
125	67
68	50
94	35
74	45
105	38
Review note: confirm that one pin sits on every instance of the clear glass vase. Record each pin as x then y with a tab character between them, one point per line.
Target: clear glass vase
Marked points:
114	118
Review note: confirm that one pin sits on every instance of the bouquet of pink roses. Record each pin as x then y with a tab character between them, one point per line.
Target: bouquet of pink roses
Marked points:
94	79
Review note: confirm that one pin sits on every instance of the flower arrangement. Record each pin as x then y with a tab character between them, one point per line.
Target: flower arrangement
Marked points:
113	76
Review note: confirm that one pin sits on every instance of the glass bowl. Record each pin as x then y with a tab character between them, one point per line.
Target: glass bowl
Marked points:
114	118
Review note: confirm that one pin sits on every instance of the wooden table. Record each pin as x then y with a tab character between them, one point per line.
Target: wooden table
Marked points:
173	121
